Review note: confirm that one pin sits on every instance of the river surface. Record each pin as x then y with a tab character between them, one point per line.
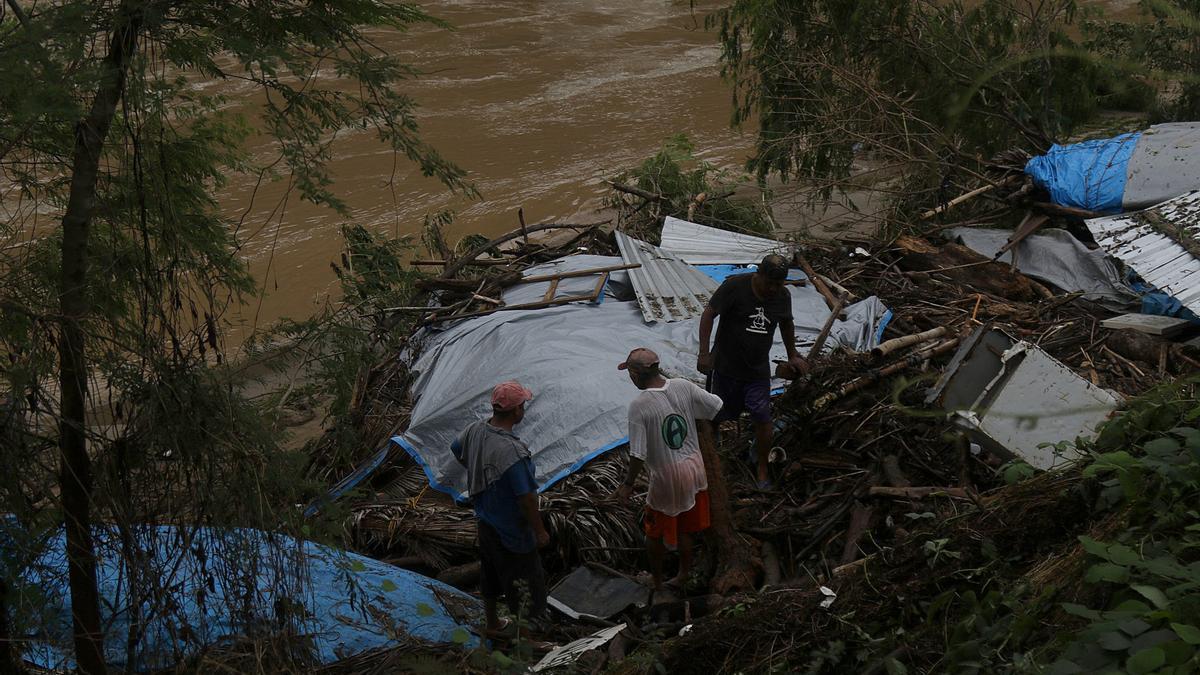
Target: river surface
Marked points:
540	101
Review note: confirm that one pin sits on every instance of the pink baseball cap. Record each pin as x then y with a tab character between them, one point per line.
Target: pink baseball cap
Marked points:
640	359
509	395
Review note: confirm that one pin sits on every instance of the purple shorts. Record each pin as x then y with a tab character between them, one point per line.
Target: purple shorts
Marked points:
753	396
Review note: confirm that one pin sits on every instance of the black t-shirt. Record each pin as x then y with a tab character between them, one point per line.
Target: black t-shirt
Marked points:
747	328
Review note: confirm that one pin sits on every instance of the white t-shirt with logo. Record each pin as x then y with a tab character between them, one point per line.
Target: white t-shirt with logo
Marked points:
662	433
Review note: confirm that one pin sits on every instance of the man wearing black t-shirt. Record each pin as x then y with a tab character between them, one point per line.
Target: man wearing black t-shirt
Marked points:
751	306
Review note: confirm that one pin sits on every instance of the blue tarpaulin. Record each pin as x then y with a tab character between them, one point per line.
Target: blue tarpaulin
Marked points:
1089	175
202	587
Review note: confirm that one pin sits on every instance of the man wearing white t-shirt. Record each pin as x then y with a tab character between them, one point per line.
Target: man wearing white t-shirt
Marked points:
663	438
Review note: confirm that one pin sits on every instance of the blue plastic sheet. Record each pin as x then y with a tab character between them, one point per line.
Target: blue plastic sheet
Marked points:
207	586
1089	175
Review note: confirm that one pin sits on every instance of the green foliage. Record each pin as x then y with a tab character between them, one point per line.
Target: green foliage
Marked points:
688	188
171	435
1157	58
914	85
1149	572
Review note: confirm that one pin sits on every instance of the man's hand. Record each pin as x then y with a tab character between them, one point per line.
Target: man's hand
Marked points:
704	363
543	537
800	365
624	494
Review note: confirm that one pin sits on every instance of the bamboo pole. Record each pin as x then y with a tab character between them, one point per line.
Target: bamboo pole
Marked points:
824	334
817	282
899	343
864	381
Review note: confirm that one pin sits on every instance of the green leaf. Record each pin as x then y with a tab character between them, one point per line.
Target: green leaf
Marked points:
1188	633
459	636
1146	661
1107	572
1134	627
1162	446
502	659
424	609
1114	641
357	566
388	586
1152	594
1136	607
1081	611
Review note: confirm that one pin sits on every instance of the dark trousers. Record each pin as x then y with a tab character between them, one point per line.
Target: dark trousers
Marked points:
504	573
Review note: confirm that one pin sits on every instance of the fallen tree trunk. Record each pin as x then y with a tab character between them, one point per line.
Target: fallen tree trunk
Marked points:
737	565
965	267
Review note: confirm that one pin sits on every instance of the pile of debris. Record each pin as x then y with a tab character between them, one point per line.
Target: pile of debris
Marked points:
942	369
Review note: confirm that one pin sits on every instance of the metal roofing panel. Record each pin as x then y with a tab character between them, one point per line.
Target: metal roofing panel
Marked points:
667	288
703	245
1156	243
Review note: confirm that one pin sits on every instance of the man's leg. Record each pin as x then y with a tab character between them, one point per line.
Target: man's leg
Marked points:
491	614
489	578
763	439
656	552
758	403
537	587
685	560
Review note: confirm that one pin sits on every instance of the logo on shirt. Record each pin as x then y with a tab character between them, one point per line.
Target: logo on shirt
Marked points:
674	431
758	321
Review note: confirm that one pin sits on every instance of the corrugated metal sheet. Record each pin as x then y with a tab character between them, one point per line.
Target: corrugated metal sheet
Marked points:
703	245
668	289
1148	241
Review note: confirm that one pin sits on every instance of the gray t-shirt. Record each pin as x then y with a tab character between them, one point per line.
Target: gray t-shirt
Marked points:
662	433
487	452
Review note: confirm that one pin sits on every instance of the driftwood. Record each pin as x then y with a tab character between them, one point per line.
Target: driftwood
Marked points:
967	197
463	577
965	267
637	192
860	522
895	476
737	566
771	570
899	343
456	266
834	312
917	492
1138	346
875	375
830	299
486	262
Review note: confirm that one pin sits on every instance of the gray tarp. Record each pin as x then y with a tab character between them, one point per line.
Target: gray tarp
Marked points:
568	356
1056	257
1165	164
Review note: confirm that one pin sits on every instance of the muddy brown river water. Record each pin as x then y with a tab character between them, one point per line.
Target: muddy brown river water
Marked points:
539	101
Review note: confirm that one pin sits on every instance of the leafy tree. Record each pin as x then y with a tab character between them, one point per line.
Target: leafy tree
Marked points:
1160	54
916	85
117	264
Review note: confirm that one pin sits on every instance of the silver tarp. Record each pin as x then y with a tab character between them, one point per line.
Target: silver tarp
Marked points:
568	356
1056	257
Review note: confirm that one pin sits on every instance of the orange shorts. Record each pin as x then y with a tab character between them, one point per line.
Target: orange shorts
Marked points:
668	528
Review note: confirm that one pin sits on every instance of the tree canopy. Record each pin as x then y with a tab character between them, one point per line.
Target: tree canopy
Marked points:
117	262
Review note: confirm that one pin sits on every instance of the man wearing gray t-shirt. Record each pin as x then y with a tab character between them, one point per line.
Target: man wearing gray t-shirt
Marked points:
663	438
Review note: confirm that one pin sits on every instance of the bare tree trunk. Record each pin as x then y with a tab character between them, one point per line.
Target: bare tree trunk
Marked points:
9	662
76	468
738	565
